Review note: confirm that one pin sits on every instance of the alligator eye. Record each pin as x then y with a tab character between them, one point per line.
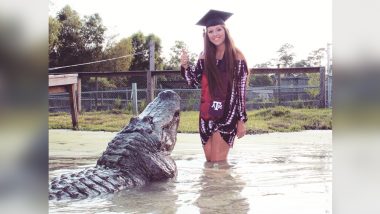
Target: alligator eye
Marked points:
148	119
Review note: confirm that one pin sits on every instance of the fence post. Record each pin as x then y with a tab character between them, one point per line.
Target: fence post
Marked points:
278	85
73	105
149	79
126	98
134	99
101	100
96	93
329	90
329	75
79	95
322	87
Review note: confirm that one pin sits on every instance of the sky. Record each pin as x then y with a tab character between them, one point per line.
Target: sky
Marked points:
258	27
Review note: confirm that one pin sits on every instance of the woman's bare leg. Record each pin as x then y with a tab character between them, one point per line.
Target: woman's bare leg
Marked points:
207	149
219	148
216	149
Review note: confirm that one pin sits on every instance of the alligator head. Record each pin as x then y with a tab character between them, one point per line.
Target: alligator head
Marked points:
160	118
143	147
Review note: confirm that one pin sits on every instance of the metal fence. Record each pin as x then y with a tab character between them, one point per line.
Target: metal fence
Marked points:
107	93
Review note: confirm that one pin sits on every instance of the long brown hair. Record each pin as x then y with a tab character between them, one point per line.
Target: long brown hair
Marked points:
230	52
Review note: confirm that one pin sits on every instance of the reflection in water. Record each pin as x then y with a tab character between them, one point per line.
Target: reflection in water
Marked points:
157	197
221	190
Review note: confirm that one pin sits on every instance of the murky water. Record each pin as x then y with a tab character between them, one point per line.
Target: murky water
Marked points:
273	173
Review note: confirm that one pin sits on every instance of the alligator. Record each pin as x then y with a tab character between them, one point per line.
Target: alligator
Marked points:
137	155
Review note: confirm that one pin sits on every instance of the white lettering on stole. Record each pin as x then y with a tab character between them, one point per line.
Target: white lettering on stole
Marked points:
216	105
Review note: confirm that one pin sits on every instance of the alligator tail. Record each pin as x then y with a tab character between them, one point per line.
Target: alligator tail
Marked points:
87	183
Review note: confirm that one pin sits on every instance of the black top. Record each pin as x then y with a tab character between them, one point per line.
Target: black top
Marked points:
222	70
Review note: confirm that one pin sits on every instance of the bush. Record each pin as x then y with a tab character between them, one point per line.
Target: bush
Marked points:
260	80
129	106
279	111
142	105
117	104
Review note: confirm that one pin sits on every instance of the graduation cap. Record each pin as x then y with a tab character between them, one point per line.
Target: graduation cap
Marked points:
214	17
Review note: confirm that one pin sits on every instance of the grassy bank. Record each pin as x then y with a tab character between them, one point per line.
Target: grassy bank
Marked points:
278	119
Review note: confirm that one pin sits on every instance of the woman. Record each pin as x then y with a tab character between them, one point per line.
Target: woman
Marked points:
222	72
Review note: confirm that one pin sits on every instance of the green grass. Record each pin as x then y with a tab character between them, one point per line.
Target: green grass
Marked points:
91	121
278	119
282	119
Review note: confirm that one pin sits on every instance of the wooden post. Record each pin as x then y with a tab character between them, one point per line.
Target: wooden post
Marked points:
149	79
154	86
126	98
73	105
322	88
67	83
278	75
101	100
96	93
79	95
329	90
134	99
278	85
329	75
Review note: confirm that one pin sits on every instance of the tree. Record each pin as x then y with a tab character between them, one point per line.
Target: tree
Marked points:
54	42
93	38
315	57
262	65
286	55
73	40
141	59
269	64
175	54
122	48
158	60
140	46
313	60
260	80
301	63
175	60
70	37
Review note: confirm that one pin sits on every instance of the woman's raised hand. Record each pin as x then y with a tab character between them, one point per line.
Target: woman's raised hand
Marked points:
184	59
